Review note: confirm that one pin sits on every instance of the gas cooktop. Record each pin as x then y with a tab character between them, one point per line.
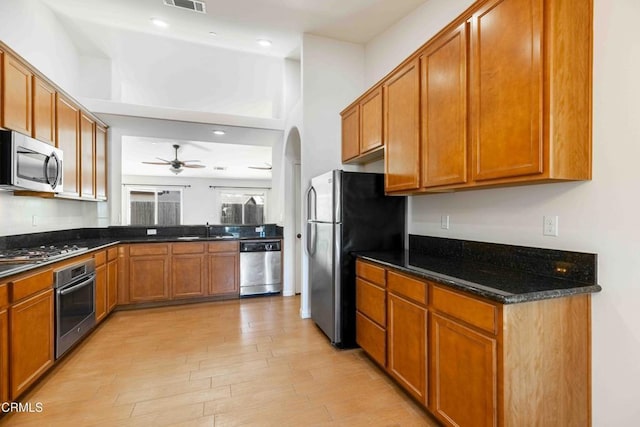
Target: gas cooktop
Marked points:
39	254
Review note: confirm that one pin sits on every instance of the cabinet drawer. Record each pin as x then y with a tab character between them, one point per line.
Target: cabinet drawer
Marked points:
141	250
112	253
371	272
29	285
408	287
100	258
223	247
372	338
470	310
187	248
370	300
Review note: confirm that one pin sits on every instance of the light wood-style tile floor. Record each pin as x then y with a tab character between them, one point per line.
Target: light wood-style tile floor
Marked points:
243	362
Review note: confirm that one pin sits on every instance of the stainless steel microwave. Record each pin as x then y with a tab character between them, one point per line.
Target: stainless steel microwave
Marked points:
29	164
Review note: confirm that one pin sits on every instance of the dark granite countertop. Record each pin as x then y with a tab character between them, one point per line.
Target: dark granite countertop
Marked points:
489	280
95	244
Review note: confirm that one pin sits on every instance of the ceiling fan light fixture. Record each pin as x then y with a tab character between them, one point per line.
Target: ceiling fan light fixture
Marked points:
176	170
159	22
264	42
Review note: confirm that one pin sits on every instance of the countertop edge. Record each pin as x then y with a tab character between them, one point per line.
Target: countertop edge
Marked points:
108	242
481	290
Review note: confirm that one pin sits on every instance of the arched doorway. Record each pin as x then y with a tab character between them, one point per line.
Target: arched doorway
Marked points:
293	215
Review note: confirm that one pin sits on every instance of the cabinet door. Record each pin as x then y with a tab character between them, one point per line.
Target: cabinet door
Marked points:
87	156
101	162
67	128
401	129
148	278
112	285
506	89
407	351
444	110
188	278
463	374
17	88
223	274
372	338
101	292
32	340
351	133
44	111
371	121
4	355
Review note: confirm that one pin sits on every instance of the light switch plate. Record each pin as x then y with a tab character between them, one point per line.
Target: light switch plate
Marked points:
444	222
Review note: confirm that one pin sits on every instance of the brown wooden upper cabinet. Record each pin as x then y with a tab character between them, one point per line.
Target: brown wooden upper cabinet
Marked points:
87	156
503	97
362	128
401	115
101	162
16	95
67	131
530	91
443	71
44	111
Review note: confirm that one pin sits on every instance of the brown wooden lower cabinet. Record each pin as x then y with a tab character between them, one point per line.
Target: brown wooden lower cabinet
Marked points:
407	346
188	279
161	272
32	340
463	374
112	283
4	343
223	273
101	292
475	362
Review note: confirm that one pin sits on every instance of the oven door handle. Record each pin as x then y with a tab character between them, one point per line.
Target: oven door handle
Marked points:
82	284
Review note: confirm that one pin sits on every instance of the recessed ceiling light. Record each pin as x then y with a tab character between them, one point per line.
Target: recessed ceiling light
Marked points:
159	23
213	33
264	42
219	132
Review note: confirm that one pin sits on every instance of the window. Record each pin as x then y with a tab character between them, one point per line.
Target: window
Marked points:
242	205
154	206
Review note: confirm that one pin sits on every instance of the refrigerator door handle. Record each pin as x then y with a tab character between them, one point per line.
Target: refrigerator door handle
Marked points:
311	216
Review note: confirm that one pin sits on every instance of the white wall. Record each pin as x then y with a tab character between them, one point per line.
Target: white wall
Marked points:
332	77
599	216
32	30
199	200
147	70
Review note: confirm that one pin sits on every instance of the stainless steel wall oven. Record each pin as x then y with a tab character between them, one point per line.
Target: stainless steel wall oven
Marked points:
75	303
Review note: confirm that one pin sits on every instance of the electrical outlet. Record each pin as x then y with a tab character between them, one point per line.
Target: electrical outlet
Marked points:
444	222
151	231
550	225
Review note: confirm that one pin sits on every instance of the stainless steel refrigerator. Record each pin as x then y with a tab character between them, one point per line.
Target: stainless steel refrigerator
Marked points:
346	212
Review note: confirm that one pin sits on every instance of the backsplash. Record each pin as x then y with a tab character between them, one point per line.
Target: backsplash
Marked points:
69	236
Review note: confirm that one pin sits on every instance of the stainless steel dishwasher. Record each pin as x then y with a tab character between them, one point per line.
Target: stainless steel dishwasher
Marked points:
260	267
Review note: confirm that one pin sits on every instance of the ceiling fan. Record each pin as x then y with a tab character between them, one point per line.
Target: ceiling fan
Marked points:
266	167
176	165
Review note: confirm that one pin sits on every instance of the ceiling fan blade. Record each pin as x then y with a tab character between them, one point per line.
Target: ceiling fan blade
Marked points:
266	167
164	160
185	161
193	166
157	163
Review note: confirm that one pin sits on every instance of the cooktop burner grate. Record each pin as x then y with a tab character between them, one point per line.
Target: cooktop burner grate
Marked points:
39	254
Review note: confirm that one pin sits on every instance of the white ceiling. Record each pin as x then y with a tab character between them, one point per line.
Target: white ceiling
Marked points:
238	23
